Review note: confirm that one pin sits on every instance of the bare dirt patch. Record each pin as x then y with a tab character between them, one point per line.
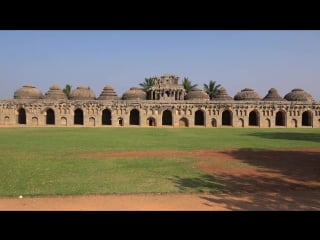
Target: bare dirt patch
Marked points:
255	180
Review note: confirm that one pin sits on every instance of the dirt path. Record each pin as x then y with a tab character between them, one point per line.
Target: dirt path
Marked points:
239	201
256	180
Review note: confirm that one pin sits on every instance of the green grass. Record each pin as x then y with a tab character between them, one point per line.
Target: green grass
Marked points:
45	161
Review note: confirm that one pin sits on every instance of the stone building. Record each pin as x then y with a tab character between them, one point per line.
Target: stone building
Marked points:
167	105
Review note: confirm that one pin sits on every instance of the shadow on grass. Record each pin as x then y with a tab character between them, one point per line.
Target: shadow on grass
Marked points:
270	180
266	201
203	183
313	137
302	166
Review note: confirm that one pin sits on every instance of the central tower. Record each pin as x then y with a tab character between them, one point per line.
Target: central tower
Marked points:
167	87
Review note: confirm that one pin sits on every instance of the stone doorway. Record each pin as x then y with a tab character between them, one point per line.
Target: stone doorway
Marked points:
151	122
183	122
22	118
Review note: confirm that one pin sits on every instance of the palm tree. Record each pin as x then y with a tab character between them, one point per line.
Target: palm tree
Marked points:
147	85
67	90
187	85
211	89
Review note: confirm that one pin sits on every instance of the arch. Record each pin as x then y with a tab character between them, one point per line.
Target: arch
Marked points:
92	121
6	120
63	121
241	121
294	123
307	118
214	122
151	122
167	118
227	118
134	117
50	118
183	122
253	118
22	117
199	118
106	117
268	122
34	121
280	118
78	116
120	121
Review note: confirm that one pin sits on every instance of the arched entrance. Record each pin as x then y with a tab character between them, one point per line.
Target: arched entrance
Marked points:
63	121
120	121
227	118
6	120
78	116
167	118
134	117
214	122
92	121
199	118
294	123
307	118
106	117
253	118
50	119
34	121
268	122
241	121
22	118
183	122
280	118
151	122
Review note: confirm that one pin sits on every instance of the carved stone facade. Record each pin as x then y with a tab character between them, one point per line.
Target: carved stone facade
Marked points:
166	108
167	87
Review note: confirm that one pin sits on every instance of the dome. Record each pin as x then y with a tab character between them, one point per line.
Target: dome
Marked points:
82	93
55	92
298	94
27	92
222	95
197	93
135	93
247	94
273	95
108	93
55	87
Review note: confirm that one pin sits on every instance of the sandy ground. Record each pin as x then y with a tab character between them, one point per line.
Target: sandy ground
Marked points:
256	180
170	202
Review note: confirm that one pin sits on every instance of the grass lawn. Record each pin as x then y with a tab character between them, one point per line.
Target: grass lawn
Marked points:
45	161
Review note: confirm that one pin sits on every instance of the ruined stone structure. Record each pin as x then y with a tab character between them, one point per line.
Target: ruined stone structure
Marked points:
167	105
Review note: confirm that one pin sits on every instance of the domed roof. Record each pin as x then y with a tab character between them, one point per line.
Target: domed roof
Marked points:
55	92
82	93
108	93
197	93
27	92
222	95
273	95
135	93
247	94
298	94
55	87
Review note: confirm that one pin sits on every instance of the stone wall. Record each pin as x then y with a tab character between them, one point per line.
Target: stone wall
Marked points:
159	113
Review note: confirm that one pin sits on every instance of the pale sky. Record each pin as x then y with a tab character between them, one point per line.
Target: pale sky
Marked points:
254	59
